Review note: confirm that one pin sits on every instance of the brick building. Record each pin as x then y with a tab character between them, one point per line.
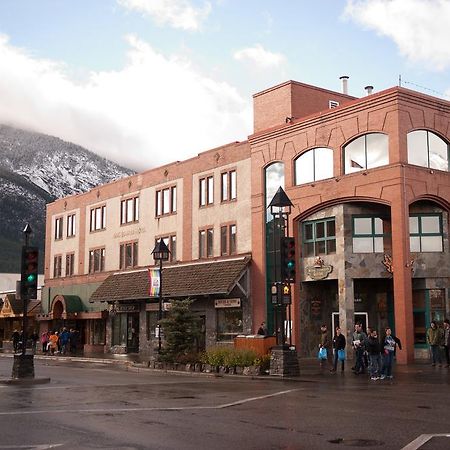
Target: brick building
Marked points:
370	186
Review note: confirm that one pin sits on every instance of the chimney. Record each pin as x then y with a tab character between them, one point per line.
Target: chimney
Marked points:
369	89
344	79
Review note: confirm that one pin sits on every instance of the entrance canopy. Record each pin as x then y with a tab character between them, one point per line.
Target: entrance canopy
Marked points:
182	280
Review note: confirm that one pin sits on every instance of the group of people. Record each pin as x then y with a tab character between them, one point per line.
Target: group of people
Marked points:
372	355
60	342
17	340
439	341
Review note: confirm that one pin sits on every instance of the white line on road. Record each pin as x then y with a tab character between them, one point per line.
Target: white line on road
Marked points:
421	440
32	447
165	408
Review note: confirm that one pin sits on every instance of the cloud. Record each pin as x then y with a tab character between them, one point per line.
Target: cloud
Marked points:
155	110
260	57
176	13
418	27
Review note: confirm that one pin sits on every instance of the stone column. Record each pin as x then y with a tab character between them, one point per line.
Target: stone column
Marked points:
346	311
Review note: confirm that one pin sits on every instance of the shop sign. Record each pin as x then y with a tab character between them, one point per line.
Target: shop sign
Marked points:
126	308
319	272
228	303
316	305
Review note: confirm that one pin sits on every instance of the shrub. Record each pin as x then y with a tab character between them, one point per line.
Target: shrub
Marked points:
229	357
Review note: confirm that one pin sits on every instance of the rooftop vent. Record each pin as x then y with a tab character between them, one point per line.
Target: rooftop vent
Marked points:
344	80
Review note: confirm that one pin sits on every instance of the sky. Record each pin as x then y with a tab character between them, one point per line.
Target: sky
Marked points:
149	82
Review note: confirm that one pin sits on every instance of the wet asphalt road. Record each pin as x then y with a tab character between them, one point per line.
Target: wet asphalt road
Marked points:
93	406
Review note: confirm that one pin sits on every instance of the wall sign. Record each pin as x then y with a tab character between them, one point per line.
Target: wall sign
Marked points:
227	303
126	308
319	270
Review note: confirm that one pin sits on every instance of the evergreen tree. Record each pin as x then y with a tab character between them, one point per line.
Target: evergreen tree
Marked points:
181	330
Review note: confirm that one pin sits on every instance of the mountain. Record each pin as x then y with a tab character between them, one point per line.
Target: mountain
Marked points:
36	169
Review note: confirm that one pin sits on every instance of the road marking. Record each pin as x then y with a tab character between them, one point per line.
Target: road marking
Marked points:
421	440
164	408
32	447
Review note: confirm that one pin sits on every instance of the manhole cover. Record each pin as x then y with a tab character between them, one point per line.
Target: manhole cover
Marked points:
357	442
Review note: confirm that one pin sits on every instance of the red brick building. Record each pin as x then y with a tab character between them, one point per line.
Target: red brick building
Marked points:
369	181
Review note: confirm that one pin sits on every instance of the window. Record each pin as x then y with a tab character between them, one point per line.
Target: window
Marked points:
228	240
96	332
371	234
119	329
206	191
166	201
228	186
229	323
128	255
57	266
98	218
314	165
171	242
70	264
96	260
129	210
58	228
152	323
71	224
333	104
425	233
366	152
206	243
319	237
428	150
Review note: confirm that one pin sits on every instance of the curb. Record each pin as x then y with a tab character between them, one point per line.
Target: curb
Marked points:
24	381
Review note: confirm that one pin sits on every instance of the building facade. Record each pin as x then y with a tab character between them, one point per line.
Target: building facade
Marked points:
370	186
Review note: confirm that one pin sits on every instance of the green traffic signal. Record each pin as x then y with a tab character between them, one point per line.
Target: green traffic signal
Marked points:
31	277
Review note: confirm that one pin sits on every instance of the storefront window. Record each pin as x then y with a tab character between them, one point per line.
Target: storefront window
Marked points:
152	322
97	332
119	330
229	323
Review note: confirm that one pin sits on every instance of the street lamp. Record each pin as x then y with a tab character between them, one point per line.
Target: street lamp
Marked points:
280	208
160	253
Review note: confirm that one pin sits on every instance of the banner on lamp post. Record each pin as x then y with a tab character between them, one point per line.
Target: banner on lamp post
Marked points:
155	282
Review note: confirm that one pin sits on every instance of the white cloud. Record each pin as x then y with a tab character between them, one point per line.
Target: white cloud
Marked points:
153	111
176	13
260	57
420	28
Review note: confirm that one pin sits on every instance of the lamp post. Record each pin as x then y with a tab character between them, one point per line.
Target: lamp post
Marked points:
160	253
280	208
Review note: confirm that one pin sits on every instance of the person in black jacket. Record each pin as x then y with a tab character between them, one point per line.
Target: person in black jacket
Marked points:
338	344
374	350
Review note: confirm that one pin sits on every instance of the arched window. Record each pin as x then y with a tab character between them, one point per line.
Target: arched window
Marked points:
366	152
428	150
274	178
314	165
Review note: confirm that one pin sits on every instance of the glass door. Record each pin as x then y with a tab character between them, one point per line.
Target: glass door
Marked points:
428	305
133	333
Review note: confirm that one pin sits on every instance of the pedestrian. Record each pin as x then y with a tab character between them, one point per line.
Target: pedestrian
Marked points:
74	338
34	339
15	338
44	341
435	338
262	330
325	347
359	344
64	339
447	341
388	345
374	351
53	342
339	349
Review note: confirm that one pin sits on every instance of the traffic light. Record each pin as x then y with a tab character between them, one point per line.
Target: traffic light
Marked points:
29	272
288	259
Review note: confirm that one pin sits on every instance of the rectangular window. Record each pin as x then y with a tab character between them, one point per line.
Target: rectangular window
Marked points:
319	237
129	210
128	255
58	228
57	266
229	323
371	234
70	264
206	191
171	242
96	260
228	186
152	322
425	233
228	240
166	201
119	329
98	218
206	243
71	224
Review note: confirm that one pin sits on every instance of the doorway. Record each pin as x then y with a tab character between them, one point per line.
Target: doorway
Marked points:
359	317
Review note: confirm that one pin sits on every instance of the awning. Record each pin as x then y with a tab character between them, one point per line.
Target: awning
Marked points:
182	280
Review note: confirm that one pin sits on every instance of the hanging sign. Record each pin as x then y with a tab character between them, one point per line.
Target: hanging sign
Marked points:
154	282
